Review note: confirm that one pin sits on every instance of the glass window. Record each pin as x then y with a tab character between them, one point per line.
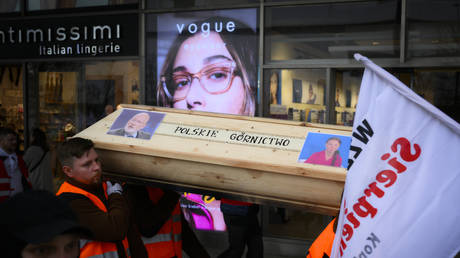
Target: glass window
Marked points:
433	28
327	31
9	6
168	4
11	100
346	95
293	223
297	94
66	98
440	87
35	5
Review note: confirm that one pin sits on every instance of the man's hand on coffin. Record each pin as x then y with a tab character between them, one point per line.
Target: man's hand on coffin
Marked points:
113	188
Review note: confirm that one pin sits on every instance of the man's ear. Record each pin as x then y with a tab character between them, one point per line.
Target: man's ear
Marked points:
67	170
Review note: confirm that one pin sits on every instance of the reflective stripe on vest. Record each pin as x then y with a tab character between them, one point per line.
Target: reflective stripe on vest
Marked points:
5	179
322	245
177	238
110	254
157	238
161	238
168	241
91	248
4	193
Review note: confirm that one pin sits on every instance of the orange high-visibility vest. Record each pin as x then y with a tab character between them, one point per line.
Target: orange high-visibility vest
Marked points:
322	246
167	242
5	179
92	248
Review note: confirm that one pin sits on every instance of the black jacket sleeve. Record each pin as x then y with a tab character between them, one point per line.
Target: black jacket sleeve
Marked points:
148	216
190	243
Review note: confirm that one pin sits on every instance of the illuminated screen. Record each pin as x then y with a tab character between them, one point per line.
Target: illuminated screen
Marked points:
204	61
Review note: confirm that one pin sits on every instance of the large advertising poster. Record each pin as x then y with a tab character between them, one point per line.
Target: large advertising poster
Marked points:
203	61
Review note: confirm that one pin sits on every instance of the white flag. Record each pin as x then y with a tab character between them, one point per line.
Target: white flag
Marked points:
402	192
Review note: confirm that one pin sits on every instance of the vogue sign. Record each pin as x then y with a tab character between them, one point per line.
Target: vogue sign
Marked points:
76	36
207	27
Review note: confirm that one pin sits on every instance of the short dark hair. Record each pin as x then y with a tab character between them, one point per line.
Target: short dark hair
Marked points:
73	148
39	139
4	131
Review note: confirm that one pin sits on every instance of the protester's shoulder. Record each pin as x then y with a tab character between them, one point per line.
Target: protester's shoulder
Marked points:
71	197
33	148
33	152
79	203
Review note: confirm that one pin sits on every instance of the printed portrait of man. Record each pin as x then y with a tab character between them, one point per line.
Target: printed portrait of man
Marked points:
138	125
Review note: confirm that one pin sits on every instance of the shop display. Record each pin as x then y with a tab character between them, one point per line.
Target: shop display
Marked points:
57	114
53	87
11	101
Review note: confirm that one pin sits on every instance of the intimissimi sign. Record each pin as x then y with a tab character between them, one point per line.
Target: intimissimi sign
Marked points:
110	35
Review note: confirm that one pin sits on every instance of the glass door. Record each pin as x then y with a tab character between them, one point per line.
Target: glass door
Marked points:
11	100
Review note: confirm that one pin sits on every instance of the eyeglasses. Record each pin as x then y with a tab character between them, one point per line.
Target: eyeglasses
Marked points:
214	79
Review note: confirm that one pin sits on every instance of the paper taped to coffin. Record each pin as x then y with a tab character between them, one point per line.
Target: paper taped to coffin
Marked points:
258	159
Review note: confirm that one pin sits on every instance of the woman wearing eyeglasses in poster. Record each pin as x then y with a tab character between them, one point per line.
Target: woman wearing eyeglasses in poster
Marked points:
217	73
214	73
330	156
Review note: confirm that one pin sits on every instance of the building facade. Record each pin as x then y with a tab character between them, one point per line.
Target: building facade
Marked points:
64	64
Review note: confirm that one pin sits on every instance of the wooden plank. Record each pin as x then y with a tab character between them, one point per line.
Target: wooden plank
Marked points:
265	168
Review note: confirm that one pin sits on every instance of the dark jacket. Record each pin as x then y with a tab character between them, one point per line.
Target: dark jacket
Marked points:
150	217
112	226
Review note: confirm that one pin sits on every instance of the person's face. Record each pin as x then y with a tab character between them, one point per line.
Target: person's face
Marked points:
332	146
200	52
9	143
62	246
136	123
86	169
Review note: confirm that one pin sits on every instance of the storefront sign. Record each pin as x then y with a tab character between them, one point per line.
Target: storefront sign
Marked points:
89	36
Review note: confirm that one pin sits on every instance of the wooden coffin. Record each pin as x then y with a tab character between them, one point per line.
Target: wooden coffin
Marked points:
256	159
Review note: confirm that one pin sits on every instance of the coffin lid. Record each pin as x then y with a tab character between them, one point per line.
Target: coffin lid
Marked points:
251	158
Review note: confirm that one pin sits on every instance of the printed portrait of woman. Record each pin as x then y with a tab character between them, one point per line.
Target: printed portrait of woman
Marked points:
325	149
330	156
214	72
